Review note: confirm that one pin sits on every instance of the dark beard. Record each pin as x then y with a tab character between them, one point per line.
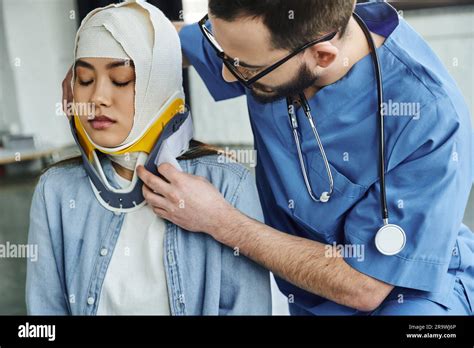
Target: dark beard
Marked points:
303	80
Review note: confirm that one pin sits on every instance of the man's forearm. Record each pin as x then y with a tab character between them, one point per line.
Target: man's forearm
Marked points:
302	262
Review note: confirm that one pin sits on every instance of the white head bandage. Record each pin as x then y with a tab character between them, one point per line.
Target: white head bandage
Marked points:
98	42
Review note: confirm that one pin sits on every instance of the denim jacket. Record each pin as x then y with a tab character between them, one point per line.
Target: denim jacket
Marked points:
76	237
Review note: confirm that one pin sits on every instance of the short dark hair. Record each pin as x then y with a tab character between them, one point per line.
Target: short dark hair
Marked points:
291	23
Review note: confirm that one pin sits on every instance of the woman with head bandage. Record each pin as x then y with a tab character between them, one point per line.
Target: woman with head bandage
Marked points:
127	71
103	249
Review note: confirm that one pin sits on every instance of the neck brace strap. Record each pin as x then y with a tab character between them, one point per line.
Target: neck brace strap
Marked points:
143	144
127	201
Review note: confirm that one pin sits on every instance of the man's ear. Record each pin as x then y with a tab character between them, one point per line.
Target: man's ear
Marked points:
324	54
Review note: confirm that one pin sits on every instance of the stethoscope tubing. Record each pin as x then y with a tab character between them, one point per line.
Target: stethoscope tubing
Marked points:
378	77
307	111
390	239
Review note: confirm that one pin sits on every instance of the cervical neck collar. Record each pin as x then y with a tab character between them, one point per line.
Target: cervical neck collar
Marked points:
165	140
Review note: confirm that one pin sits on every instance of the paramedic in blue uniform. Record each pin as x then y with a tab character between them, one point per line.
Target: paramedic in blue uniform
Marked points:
428	168
427	158
324	254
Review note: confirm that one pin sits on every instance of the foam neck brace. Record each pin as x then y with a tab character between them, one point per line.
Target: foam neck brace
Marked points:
171	142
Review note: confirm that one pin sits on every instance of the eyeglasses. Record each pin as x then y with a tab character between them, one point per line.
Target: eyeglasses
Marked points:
245	75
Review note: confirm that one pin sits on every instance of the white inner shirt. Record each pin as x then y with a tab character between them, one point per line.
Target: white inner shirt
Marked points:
135	282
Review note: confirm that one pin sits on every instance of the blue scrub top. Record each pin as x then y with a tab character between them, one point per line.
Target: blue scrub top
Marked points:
428	162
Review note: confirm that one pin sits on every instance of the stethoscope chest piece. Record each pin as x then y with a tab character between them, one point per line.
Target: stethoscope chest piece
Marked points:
390	239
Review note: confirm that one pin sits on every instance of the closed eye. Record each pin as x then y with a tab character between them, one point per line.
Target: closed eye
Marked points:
121	84
85	83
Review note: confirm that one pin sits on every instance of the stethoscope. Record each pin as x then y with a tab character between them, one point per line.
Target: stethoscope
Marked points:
390	239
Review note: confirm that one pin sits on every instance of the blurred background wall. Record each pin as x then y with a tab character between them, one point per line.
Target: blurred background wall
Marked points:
36	43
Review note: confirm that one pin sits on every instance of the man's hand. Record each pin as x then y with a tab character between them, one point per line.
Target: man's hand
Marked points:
186	200
67	93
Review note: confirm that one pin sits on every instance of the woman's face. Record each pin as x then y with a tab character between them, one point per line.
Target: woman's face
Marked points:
104	93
